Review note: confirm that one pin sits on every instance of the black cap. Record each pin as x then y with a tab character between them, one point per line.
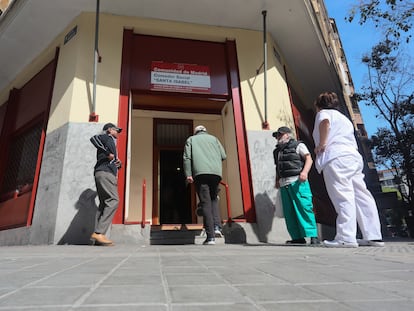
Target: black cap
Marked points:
111	125
282	130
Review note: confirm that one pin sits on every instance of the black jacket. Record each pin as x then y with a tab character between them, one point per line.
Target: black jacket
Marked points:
105	145
288	162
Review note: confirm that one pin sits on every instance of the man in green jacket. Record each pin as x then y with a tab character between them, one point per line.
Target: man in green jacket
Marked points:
203	156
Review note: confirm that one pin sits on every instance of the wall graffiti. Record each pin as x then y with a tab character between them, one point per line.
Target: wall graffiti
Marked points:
268	207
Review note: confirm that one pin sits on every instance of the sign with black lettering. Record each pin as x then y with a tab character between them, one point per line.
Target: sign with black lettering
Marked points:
177	77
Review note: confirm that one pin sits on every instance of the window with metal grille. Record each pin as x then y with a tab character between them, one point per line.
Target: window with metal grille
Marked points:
172	134
22	159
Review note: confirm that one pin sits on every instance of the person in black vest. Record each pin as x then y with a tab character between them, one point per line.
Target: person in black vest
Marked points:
293	162
106	179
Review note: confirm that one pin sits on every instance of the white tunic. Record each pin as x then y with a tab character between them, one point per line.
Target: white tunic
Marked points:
342	165
341	139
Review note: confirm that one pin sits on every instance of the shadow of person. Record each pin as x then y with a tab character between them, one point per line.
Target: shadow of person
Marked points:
265	212
234	233
82	225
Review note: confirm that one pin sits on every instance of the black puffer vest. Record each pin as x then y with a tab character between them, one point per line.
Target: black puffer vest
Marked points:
288	162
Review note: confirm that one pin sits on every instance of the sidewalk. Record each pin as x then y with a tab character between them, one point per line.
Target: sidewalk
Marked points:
197	277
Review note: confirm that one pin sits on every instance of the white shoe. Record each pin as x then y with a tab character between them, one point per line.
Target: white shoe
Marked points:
375	243
339	244
218	233
209	242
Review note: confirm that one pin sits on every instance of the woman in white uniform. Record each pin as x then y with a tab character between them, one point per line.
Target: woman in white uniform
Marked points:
337	157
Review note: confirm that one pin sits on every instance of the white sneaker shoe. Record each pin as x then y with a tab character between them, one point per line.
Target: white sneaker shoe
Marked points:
339	244
209	242
375	243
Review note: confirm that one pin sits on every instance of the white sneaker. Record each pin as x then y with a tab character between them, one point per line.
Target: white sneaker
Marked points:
218	233
209	242
375	243
339	244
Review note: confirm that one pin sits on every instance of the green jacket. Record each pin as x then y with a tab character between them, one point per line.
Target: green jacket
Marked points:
203	154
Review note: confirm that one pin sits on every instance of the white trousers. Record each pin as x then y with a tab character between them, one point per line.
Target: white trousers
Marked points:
352	200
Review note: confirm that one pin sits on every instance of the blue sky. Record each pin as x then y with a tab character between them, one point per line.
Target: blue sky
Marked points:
357	41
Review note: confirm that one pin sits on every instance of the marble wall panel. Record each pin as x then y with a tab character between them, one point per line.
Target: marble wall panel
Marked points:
66	198
78	198
271	226
48	191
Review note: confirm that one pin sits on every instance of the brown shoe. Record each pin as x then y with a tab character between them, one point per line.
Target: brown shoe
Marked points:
101	239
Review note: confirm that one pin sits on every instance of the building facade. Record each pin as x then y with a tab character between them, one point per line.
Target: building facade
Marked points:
157	69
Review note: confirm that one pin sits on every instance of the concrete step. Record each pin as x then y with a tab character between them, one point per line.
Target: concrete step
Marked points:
234	233
178	235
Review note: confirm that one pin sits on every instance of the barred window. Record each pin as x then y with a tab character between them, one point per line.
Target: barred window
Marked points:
22	159
170	134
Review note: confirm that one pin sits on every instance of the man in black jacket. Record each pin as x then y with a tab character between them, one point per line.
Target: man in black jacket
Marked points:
293	162
106	171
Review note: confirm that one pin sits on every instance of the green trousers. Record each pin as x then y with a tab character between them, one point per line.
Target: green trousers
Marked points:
298	210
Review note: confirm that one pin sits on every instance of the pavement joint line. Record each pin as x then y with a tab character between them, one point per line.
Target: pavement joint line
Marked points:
204	304
380	282
52	307
312	283
267	302
126	304
164	282
44	278
97	284
30	267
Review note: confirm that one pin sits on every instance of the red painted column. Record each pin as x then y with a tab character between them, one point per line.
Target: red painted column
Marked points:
42	141
241	137
123	117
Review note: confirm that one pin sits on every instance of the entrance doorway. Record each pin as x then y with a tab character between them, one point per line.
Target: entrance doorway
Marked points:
175	194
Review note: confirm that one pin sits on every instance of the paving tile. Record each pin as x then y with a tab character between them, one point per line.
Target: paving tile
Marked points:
352	292
126	294
43	297
213	307
71	279
251	278
204	294
404	289
307	306
132	279
276	293
382	305
194	277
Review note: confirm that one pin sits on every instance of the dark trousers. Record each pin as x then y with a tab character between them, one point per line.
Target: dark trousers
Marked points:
207	189
216	213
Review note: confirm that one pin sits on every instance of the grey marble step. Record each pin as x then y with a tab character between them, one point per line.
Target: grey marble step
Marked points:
179	237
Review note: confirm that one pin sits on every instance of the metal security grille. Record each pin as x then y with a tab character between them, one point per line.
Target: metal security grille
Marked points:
22	159
170	134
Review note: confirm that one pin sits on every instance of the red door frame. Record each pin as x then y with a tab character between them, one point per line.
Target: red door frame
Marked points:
241	136
24	213
42	142
123	117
